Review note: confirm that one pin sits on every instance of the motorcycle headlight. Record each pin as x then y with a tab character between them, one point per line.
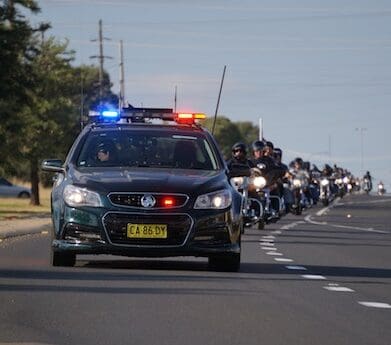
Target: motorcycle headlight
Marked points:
345	179
237	181
215	200
76	196
324	182
296	182
259	182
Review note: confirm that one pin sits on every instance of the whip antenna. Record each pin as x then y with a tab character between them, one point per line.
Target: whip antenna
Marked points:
218	99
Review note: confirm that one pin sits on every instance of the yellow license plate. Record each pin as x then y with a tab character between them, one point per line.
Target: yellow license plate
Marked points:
147	231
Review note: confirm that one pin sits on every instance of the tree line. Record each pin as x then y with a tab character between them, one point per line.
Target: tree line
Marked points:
44	97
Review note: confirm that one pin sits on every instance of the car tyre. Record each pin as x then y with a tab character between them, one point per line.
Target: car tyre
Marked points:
63	259
24	195
225	262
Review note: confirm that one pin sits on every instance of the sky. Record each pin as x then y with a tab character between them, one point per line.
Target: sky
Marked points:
317	72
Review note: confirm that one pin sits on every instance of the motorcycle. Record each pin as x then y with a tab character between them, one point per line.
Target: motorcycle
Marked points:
325	191
340	187
252	208
380	189
366	185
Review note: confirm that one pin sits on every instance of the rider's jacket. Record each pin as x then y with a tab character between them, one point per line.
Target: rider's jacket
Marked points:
243	161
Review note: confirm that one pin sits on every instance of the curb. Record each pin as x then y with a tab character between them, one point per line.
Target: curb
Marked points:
23	232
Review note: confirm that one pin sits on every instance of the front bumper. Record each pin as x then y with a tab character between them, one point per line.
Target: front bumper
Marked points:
195	233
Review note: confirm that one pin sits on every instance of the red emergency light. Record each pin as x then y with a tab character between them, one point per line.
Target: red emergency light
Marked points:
188	118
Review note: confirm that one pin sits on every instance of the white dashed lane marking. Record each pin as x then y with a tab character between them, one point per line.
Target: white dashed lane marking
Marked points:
283	260
314	277
274	253
297	268
338	288
271	244
269	248
376	305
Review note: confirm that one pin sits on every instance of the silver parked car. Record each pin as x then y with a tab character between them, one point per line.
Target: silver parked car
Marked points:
7	189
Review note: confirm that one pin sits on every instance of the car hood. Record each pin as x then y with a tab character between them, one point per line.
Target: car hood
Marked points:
190	182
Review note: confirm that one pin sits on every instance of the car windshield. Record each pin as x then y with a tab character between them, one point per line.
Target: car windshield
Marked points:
117	148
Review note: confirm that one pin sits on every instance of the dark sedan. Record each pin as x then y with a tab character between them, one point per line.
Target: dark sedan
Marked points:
145	190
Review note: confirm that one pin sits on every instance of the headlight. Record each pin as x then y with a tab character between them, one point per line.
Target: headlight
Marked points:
324	182
296	182
259	182
215	200
237	181
76	196
346	179
338	181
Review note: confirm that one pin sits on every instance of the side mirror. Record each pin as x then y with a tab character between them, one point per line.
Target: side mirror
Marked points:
52	165
238	170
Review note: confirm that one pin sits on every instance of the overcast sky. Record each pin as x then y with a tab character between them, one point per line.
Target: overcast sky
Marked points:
313	70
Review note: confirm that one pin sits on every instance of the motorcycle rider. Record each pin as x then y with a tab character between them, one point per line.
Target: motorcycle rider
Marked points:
368	177
263	159
239	156
283	191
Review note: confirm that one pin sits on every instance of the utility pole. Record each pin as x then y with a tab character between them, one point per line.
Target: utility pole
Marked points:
260	129
101	58
121	76
175	98
361	130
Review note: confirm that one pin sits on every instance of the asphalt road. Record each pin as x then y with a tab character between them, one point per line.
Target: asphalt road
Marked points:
320	278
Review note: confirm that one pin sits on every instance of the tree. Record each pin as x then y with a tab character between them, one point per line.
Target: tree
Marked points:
16	51
226	134
248	131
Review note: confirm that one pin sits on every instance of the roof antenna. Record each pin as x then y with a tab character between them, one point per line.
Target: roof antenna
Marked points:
218	99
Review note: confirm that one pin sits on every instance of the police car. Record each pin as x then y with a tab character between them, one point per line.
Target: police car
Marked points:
145	182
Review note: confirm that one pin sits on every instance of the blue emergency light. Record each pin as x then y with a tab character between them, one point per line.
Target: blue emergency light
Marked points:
110	113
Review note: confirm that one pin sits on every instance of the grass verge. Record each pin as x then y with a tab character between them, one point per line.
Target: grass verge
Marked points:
11	208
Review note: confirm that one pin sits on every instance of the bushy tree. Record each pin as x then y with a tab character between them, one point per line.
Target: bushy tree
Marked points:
228	133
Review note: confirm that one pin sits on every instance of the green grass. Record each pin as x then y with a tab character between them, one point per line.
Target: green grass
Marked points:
11	208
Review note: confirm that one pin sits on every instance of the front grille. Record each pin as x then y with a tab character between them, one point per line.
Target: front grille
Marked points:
134	199
178	226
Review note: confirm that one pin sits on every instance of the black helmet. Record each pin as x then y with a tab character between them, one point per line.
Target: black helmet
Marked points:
258	145
239	146
269	144
277	152
299	161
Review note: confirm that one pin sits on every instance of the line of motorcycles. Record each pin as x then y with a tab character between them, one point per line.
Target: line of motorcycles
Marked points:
266	201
